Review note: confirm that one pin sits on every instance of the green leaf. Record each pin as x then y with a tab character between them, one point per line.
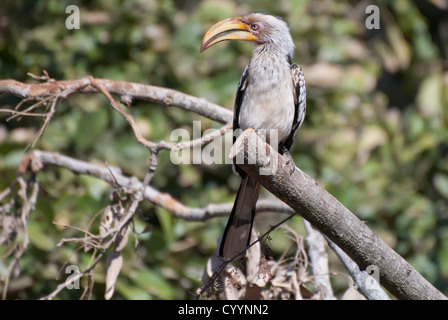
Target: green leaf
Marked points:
154	283
91	126
441	183
429	95
40	239
131	292
166	221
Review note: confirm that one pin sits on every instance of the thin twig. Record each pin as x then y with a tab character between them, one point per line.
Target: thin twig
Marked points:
74	278
199	142
27	110
114	232
22	113
129	118
29	203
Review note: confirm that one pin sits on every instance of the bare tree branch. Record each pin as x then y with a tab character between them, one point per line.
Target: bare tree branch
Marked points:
330	217
127	91
319	261
35	160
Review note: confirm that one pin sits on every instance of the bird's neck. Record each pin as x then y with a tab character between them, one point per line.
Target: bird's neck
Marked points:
269	67
272	51
268	61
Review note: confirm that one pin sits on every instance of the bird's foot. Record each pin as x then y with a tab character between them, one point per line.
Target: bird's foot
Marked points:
289	164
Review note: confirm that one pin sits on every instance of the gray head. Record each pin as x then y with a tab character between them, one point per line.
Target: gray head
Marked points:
259	27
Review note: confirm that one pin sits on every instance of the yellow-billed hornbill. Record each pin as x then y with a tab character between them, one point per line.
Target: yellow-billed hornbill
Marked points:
271	95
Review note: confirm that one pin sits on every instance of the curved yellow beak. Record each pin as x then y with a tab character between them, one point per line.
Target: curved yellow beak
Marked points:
228	29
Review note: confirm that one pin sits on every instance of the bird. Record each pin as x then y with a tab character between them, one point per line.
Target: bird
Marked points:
271	95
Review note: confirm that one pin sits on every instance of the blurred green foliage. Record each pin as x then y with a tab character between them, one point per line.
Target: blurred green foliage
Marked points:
375	135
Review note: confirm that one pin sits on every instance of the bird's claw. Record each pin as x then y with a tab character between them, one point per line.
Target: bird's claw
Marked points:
291	166
289	163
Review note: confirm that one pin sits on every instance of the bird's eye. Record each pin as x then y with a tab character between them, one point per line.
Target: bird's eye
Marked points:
254	26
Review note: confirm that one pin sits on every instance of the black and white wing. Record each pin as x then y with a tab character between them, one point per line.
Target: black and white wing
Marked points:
240	92
298	78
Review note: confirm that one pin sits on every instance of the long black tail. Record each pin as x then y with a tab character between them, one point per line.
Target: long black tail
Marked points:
236	236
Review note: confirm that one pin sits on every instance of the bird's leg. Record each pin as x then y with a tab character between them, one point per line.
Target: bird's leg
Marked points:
289	160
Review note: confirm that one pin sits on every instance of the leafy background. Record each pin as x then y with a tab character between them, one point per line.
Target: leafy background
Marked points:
375	135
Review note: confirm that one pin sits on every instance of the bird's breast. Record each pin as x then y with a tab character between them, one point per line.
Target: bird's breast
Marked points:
268	102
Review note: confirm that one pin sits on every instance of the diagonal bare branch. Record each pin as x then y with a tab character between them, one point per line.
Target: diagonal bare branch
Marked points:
330	217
